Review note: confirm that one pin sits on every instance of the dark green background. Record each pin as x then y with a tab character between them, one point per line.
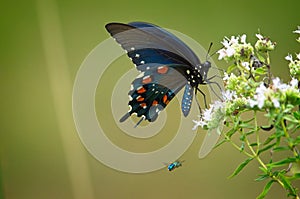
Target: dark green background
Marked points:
42	46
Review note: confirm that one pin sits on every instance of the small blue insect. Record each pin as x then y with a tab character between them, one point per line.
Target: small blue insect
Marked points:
174	165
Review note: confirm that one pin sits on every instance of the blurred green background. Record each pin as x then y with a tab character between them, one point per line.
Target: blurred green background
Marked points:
44	42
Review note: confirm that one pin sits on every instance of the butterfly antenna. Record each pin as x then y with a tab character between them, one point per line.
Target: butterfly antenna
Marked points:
207	55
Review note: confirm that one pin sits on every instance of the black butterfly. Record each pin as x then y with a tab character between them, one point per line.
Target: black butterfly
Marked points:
166	65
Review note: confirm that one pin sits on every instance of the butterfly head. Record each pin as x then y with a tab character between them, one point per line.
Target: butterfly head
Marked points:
204	68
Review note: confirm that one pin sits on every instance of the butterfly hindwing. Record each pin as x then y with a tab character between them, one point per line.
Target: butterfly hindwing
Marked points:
153	89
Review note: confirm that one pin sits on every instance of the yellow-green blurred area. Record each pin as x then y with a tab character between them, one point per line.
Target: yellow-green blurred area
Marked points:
43	44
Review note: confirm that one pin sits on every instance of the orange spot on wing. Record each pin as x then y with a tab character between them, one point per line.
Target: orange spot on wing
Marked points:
154	103
162	69
144	105
165	97
147	80
141	90
140	99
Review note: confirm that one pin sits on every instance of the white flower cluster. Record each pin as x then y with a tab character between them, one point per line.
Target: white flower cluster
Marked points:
264	43
231	46
272	93
212	117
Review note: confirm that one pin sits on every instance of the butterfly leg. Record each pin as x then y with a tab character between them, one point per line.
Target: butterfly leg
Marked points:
204	97
209	84
143	117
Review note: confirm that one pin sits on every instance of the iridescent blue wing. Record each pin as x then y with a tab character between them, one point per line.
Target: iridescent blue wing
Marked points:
162	59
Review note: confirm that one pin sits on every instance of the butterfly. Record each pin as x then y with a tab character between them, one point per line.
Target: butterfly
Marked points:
166	65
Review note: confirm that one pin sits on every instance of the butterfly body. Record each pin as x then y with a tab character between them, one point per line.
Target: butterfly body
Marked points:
166	65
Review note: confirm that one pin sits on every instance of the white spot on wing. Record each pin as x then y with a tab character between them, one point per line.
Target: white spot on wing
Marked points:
146	77
137	55
142	62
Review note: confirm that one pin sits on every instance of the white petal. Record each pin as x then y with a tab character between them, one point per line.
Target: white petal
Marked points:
276	103
259	36
289	58
252	103
294	82
296	31
243	39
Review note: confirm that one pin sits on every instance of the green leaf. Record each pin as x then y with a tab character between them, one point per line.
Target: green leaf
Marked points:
260	71
280	148
250	132
246	125
220	143
230	132
290	118
253	144
297	115
262	177
266	148
270	139
266	189
231	68
288	186
283	162
240	167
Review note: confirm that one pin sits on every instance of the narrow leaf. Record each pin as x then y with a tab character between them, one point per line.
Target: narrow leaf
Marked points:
266	189
266	148
282	162
290	118
262	177
240	167
288	185
280	148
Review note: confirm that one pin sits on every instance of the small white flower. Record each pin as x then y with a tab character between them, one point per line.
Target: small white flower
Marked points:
294	83
260	97
298	56
276	82
246	65
252	102
199	123
225	42
261	101
297	31
289	58
259	36
222	53
234	40
261	89
276	103
243	39
228	95
228	52
207	114
226	76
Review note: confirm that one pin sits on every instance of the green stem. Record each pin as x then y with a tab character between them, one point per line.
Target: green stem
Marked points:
257	133
291	146
255	155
